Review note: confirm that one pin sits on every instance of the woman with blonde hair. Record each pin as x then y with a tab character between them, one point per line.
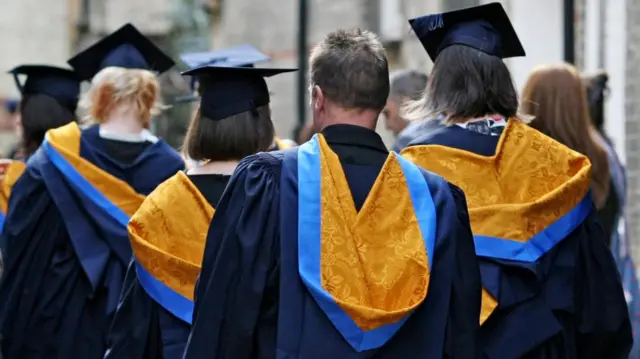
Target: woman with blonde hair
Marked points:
65	241
557	99
551	288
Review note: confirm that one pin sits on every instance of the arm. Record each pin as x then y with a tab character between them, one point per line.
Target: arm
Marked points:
464	312
239	258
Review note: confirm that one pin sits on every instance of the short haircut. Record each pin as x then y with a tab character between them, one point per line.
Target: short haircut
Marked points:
40	113
351	68
231	138
407	84
466	83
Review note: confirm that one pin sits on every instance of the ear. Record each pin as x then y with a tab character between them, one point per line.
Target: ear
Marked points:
318	95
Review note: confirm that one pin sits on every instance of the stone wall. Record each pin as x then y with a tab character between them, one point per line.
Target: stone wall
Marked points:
632	122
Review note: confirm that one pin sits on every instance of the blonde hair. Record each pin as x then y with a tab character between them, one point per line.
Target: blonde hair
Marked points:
114	86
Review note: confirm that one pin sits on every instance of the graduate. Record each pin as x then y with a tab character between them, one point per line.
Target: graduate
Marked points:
49	100
243	56
551	288
338	248
233	121
65	242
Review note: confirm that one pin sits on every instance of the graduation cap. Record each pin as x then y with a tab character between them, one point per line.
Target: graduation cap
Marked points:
485	28
61	84
237	56
226	91
127	48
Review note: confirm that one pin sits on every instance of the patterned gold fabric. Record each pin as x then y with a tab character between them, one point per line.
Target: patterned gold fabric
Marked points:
66	141
13	172
374	262
528	184
169	231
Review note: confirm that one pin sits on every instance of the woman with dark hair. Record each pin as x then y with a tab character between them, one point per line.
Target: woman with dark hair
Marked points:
49	99
550	284
597	91
65	240
232	122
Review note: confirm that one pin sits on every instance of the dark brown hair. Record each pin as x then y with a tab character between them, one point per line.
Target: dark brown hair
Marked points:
40	113
351	68
466	83
596	93
557	98
231	138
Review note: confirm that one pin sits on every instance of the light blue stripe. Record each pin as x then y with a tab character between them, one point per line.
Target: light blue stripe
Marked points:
2	218
423	205
309	244
83	185
538	245
168	298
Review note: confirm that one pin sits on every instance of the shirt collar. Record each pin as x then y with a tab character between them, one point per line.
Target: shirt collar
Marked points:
343	134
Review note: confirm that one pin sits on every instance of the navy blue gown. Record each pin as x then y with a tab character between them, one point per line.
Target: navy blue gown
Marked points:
250	301
567	304
65	259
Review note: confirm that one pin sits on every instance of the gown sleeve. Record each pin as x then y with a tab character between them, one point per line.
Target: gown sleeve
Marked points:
239	264
134	329
603	318
464	313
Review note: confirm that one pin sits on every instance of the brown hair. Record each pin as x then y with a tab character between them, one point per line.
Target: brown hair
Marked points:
231	138
556	97
113	86
351	68
466	83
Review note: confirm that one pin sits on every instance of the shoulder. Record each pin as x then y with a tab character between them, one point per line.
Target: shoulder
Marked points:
264	163
443	190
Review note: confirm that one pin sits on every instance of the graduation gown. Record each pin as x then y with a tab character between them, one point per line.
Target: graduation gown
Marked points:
551	288
65	243
167	234
12	173
261	292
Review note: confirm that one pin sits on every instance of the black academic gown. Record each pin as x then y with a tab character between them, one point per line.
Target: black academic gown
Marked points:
57	295
250	301
568	304
142	328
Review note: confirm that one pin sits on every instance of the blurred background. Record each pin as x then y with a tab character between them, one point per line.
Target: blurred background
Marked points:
592	34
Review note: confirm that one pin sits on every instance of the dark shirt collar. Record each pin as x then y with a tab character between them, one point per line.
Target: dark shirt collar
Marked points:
343	134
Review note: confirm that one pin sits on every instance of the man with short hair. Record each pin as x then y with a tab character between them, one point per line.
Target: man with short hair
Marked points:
406	85
338	248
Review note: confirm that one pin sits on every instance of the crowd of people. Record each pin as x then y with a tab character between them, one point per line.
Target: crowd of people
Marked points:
493	229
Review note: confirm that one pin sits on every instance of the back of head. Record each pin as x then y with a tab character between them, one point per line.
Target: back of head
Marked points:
556	97
351	69
114	87
466	83
231	138
596	93
40	113
407	85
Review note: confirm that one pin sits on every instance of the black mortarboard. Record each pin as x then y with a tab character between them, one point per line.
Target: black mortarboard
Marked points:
486	28
61	84
127	48
226	91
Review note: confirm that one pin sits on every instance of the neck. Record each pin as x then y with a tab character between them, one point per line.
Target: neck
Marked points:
122	120
356	117
215	168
